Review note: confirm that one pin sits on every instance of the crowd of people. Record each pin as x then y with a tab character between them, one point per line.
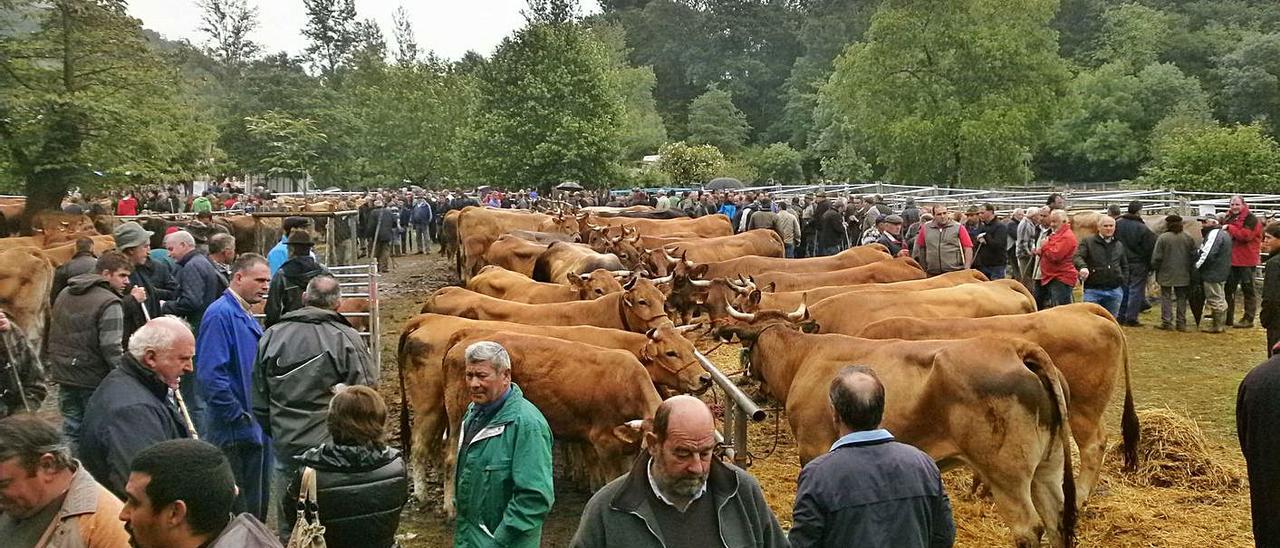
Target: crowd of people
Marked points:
178	410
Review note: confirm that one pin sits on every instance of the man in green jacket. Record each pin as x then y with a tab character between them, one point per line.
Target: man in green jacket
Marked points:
679	495
504	487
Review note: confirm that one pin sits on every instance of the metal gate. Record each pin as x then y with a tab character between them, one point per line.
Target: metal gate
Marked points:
359	282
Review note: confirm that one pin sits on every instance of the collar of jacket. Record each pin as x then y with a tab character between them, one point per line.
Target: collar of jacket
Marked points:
191	255
312	314
722	483
508	411
82	496
1133	217
149	379
864	437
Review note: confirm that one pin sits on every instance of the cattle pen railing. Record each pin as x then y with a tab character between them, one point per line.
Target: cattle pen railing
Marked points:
359	281
339	248
738	410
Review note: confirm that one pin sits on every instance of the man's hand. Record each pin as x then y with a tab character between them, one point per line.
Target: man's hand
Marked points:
5	325
1084	274
138	293
904	253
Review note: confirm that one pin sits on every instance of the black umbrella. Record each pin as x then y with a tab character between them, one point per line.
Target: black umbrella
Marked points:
724	183
569	186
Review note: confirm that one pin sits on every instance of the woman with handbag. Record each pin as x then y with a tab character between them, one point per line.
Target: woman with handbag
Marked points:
356	486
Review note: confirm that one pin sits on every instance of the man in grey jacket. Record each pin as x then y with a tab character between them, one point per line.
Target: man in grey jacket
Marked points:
302	360
1214	264
679	494
869	490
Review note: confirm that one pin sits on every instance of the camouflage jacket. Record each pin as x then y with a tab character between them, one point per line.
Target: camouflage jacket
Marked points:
18	362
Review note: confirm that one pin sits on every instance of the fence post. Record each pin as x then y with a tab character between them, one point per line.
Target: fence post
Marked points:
739	437
727	429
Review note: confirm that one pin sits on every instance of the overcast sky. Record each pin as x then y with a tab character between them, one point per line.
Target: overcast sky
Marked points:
448	27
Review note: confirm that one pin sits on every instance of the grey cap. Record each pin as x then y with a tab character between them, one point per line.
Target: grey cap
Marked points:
892	219
1209	217
131	234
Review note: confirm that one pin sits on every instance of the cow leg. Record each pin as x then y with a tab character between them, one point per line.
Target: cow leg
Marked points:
1091	439
1046	494
1012	494
450	466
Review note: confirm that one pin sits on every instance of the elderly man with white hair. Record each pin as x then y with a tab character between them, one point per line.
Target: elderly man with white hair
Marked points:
135	406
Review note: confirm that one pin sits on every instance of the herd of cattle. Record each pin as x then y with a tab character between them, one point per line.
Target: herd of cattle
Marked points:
601	308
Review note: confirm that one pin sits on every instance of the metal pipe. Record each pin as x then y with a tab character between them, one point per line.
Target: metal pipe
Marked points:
739	397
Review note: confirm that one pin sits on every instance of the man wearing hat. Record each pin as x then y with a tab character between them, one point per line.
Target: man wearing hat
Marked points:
279	254
891	235
289	283
153	280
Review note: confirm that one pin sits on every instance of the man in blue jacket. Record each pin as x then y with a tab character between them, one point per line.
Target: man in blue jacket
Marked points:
280	253
869	490
225	352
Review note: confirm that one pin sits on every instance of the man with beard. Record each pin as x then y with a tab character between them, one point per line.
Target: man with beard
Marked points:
46	497
680	495
180	493
226	349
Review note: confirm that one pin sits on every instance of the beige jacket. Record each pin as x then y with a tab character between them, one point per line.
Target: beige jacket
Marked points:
89	518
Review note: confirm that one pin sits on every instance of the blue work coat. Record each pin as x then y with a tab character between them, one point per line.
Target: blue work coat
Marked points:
225	352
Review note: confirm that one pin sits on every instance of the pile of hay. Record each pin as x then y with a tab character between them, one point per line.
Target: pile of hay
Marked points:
1174	453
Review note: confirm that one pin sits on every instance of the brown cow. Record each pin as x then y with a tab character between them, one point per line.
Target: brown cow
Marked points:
749	298
898	269
26	277
848	313
747	266
639	307
478	227
514	254
662	259
997	405
1087	346
500	283
563	261
664	352
707	226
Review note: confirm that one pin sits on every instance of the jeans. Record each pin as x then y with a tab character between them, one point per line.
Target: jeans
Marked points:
1171	297
72	401
1055	293
829	251
1106	298
1241	276
993	272
1135	294
424	238
789	251
251	466
286	509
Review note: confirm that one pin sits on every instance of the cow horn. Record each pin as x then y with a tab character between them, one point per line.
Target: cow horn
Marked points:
637	423
664	279
746	317
688	328
798	314
700	283
620	273
670	259
584	277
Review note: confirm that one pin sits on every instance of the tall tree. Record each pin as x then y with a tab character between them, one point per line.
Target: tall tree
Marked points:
332	29
959	91
1250	77
406	43
83	101
1222	159
715	120
548	111
642	128
228	24
293	143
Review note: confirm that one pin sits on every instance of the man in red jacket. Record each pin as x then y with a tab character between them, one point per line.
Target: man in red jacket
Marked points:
1058	274
1245	229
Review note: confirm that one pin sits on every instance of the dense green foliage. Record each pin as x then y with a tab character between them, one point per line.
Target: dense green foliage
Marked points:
971	92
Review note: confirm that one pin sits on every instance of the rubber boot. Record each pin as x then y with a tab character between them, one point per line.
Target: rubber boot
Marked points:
1218	326
1250	307
1208	322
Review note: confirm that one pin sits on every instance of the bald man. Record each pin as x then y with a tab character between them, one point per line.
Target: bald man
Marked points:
869	490
132	408
679	495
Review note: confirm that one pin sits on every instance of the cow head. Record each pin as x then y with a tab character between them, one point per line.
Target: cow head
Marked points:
671	361
561	223
745	323
596	284
721	295
643	305
630	252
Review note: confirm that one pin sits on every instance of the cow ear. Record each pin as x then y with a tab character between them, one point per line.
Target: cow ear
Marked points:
773	287
574	279
754	297
630	432
699	271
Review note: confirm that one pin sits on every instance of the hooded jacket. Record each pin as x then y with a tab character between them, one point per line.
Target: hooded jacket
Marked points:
1246	237
85	333
82	263
287	285
130	411
300	359
360	492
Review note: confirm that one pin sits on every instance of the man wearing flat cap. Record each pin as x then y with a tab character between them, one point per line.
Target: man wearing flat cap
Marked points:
151	281
289	283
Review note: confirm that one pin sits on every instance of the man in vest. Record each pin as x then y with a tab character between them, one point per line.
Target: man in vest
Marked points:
86	336
943	245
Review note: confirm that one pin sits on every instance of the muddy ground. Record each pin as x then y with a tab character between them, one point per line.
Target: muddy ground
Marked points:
1193	374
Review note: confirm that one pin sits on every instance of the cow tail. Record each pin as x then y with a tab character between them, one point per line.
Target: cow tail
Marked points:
1056	387
1129	427
406	426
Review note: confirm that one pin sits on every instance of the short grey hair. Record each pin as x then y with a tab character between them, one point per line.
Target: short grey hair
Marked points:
322	291
159	334
221	242
181	236
488	352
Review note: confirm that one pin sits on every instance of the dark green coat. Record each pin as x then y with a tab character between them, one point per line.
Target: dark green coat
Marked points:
504	478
